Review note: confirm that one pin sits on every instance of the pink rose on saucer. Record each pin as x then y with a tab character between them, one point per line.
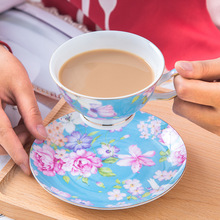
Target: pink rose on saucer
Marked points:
170	138
45	160
177	158
82	163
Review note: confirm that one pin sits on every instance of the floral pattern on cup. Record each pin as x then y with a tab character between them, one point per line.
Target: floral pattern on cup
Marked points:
109	169
107	109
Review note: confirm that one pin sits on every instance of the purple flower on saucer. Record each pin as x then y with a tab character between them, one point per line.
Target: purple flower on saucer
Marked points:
108	151
77	141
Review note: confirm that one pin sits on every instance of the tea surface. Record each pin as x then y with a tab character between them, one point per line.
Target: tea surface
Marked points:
106	73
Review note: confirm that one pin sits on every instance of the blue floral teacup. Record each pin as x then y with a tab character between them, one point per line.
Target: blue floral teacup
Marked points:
110	113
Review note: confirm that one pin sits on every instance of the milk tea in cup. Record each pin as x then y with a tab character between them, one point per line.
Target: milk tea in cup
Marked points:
106	73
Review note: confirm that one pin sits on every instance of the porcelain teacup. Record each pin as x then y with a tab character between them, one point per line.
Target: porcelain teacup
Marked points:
110	113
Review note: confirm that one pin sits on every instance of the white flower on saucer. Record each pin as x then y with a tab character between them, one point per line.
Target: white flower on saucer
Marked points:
116	195
159	175
138	191
142	126
156	189
164	175
60	154
144	134
170	174
150	118
155	126
132	185
69	121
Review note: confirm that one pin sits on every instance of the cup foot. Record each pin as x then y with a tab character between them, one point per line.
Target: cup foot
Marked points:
107	124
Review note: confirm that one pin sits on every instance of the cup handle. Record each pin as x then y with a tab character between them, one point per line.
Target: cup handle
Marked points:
166	95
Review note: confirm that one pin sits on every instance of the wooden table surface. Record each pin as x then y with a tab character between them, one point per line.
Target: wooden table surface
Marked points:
196	196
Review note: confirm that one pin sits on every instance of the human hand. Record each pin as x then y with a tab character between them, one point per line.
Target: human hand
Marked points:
198	93
16	89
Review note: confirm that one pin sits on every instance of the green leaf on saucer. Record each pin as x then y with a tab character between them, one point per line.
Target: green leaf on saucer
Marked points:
105	171
118	181
117	187
111	141
146	194
162	159
66	179
85	180
95	139
110	160
92	133
168	152
54	146
162	153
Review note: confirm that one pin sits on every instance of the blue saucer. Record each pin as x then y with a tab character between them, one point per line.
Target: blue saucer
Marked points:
108	170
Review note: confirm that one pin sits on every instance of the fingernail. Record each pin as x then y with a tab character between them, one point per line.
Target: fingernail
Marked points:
187	66
42	131
25	169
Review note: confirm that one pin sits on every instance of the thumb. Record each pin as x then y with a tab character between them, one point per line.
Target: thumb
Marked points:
208	70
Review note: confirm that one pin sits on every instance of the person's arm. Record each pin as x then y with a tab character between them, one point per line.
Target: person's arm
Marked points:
198	93
16	89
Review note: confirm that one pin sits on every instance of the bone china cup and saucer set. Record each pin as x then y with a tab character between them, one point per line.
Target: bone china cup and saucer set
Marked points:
108	154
